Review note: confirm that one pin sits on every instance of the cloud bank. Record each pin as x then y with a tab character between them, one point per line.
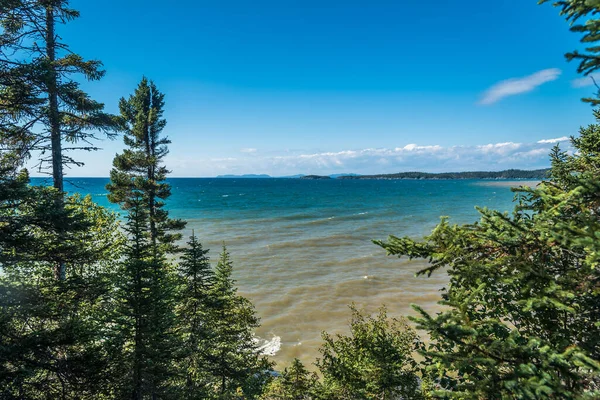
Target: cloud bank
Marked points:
409	157
514	86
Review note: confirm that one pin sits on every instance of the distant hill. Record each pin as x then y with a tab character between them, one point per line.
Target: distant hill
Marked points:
340	175
245	176
315	177
506	174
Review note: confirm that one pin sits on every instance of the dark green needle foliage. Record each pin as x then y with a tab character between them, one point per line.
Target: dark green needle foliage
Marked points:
143	322
147	290
373	362
522	308
139	168
295	383
38	86
195	280
233	357
52	331
580	14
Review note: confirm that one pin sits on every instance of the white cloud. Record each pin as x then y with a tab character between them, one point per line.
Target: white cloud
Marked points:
560	139
499	148
409	157
249	150
514	86
585	81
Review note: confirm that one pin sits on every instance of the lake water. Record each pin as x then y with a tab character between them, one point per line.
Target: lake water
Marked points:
302	249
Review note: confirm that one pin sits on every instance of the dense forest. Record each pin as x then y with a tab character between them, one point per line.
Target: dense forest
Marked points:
506	174
95	305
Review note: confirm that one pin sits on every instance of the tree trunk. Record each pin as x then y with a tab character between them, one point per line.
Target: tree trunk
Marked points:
54	122
53	114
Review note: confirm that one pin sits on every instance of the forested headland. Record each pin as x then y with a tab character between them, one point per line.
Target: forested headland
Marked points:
95	305
506	174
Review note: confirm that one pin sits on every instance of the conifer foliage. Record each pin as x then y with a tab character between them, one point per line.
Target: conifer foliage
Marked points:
195	280
295	383
374	362
522	307
37	83
233	356
138	171
146	321
574	11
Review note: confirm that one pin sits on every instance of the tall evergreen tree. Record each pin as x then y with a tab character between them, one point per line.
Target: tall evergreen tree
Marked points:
233	356
147	291
196	278
37	72
38	90
140	169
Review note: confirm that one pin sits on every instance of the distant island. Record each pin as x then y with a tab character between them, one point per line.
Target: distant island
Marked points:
506	174
316	177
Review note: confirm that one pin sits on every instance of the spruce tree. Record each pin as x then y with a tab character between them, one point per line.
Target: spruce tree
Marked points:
196	279
37	73
53	332
139	168
43	107
233	356
374	362
521	311
148	288
294	383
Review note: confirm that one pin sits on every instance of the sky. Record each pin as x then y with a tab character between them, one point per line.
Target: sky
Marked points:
284	87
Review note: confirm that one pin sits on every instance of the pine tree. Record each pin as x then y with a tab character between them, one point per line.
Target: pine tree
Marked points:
36	75
139	167
234	359
53	332
521	311
134	316
374	362
148	291
196	279
295	383
37	89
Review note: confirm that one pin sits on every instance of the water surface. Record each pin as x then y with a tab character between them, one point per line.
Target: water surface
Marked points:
302	249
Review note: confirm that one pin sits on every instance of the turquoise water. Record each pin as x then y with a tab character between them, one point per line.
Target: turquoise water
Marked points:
302	249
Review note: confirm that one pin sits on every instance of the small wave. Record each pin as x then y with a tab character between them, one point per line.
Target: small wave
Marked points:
269	347
328	241
362	213
225	195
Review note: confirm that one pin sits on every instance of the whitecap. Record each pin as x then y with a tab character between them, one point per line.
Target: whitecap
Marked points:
269	347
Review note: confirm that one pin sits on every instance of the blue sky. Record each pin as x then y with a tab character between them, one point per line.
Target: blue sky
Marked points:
320	87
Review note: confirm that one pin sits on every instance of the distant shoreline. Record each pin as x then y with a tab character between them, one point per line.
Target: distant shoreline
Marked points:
509	174
514	174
